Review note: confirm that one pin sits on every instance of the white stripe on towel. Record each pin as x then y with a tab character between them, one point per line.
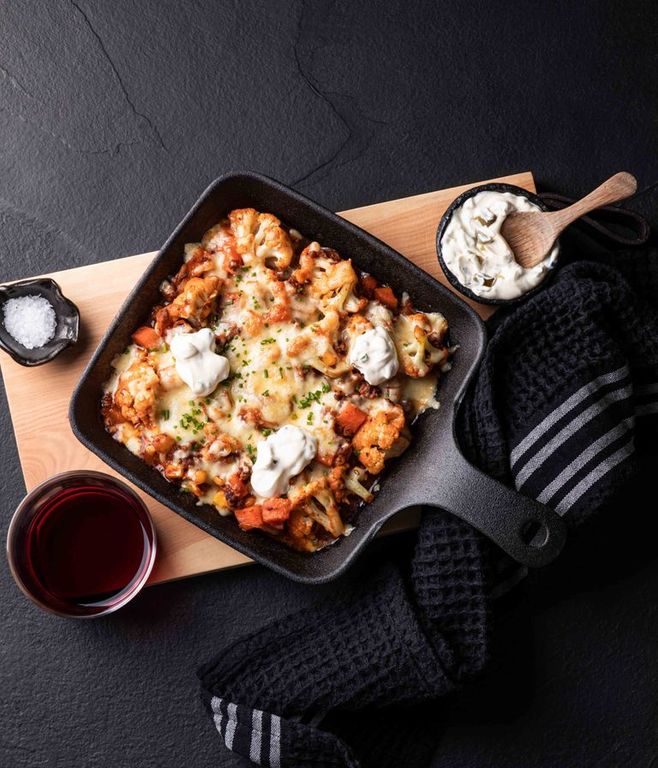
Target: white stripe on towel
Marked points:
646	409
570	429
215	705
579	462
275	742
568	405
594	476
256	735
232	721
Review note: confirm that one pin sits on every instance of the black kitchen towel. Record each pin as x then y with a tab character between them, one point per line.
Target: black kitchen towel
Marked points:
565	405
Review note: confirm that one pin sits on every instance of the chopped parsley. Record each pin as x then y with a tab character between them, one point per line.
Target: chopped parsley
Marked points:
309	418
189	421
251	451
266	373
268	340
314	397
266	431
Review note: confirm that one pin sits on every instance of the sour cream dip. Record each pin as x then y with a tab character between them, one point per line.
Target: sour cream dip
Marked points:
197	363
373	353
281	456
476	253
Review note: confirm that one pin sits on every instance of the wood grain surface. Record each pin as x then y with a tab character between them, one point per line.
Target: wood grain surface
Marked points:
39	397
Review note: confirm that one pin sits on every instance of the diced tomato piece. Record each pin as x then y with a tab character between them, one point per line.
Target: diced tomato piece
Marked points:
351	418
147	337
276	511
386	296
250	517
368	284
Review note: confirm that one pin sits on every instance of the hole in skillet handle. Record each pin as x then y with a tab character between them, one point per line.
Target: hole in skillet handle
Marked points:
529	532
534	533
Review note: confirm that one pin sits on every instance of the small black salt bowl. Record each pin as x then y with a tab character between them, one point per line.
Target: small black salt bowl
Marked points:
67	314
445	219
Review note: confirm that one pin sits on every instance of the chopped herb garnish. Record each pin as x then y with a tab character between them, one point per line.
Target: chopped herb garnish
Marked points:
313	397
251	451
266	373
309	418
266	393
266	431
165	415
268	340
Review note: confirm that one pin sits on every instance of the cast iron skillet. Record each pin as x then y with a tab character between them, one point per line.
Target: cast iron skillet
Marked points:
431	472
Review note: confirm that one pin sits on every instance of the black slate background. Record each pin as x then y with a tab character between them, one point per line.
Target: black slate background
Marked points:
114	116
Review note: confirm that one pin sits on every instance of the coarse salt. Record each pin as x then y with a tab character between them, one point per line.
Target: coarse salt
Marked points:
30	320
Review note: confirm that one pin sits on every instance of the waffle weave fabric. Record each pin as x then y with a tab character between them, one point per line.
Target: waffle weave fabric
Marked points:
391	642
565	404
593	331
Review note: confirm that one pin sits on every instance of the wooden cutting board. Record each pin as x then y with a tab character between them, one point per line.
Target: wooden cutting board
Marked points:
39	397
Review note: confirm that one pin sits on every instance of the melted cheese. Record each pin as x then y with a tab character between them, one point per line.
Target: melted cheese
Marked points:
286	351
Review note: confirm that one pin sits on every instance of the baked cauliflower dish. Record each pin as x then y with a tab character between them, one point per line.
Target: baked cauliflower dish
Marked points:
274	381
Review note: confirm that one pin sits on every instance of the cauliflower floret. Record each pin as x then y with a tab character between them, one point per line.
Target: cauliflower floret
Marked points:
353	484
319	505
331	280
136	391
379	315
220	445
355	327
261	238
220	241
418	338
377	439
314	346
195	303
197	262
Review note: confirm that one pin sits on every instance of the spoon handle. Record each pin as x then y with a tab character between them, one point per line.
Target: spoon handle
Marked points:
616	188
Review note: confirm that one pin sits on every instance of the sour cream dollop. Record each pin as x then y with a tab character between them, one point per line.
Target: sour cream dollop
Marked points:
197	363
281	456
373	353
477	254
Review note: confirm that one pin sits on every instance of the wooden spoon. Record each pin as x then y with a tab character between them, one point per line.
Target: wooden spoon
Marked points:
531	235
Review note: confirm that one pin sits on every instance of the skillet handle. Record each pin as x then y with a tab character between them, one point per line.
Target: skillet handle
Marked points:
529	532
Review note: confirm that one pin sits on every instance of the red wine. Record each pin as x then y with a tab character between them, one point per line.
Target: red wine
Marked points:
86	546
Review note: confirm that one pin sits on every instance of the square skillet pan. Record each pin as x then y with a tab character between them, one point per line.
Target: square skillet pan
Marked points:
431	472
